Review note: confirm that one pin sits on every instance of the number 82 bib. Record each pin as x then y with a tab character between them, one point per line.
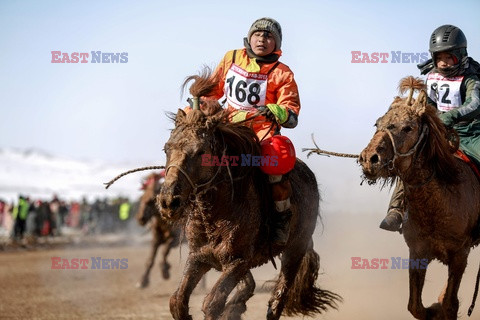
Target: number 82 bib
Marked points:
444	91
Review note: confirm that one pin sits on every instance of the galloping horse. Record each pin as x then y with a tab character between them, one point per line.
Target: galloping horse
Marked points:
162	232
226	212
442	193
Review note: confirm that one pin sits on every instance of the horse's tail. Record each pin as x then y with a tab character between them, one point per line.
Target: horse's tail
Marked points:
304	297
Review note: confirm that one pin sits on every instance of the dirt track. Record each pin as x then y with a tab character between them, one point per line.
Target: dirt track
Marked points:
30	289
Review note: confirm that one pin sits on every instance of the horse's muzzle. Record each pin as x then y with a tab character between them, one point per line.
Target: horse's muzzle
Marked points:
168	204
371	163
376	158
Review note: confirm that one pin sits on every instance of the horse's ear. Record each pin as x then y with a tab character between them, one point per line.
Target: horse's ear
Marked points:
421	103
180	117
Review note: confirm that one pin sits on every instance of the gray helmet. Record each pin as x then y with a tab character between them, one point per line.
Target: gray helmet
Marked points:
448	38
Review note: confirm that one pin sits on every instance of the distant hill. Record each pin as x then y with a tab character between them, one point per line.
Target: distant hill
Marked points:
38	174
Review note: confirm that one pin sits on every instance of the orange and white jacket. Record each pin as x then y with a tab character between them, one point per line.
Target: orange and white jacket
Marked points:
274	81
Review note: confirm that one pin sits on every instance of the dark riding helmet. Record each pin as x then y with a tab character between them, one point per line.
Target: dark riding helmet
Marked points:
448	38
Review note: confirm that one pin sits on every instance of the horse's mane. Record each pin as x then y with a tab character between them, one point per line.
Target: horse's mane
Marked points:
203	87
204	83
437	151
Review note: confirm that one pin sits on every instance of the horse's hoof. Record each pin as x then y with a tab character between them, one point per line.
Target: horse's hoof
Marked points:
142	284
166	271
269	312
270	315
435	312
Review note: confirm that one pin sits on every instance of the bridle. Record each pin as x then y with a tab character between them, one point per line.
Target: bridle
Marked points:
412	150
194	186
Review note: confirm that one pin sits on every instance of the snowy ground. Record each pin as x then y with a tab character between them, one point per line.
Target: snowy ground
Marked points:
40	175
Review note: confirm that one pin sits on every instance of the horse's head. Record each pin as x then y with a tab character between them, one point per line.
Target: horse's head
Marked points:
410	132
191	139
151	187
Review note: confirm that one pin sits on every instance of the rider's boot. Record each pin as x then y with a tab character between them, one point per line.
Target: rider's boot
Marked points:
395	214
281	191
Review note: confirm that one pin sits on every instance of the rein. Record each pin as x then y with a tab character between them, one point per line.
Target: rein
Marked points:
108	184
261	113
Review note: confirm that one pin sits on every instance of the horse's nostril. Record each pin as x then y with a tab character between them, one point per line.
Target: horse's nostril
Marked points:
360	159
163	203
175	203
374	159
170	203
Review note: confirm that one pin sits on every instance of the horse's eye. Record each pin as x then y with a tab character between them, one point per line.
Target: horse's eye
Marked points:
407	129
199	153
391	127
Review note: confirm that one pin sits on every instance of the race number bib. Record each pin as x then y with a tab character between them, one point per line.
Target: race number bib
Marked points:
444	91
244	89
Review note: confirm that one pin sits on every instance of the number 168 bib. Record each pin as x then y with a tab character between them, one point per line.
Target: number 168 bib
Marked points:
244	89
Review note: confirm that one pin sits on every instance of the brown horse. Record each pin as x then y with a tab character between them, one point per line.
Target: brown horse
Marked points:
226	211
442	194
162	232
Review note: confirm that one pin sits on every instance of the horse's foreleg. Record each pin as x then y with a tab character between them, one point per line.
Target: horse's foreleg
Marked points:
238	303
456	268
145	280
417	280
164	265
194	270
214	302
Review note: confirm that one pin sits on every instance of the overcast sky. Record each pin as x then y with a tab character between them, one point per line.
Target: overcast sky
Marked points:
116	111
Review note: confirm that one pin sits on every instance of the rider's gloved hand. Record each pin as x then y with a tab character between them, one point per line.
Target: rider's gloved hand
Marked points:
274	112
447	119
264	111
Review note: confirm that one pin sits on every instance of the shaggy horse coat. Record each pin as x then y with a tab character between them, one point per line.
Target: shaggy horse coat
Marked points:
226	212
442	194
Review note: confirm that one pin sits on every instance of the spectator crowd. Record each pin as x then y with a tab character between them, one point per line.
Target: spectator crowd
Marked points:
32	218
